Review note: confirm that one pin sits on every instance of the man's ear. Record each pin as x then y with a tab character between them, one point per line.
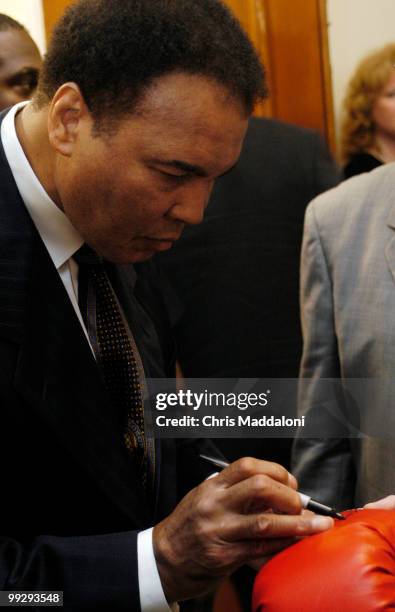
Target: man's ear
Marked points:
66	113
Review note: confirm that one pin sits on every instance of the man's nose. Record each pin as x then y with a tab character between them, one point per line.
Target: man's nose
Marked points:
191	202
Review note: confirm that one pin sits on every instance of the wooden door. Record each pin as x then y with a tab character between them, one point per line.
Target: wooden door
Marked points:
53	9
291	39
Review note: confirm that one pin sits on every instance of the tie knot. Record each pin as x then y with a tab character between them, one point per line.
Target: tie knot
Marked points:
87	256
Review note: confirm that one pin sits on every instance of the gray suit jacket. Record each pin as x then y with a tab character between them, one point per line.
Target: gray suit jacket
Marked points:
348	320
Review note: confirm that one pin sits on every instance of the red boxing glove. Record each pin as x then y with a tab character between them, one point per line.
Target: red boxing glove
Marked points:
350	568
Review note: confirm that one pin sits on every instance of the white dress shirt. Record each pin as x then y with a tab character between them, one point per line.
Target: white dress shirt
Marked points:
62	240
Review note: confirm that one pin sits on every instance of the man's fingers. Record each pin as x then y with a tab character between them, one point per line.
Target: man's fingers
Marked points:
261	550
387	503
270	548
259	527
248	466
274	546
260	492
263	535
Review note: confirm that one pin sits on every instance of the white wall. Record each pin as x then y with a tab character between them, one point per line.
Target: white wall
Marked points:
30	14
355	27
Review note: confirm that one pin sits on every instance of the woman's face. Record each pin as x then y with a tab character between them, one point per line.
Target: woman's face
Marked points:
383	111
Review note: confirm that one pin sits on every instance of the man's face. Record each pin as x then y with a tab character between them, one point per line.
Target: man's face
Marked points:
132	193
20	63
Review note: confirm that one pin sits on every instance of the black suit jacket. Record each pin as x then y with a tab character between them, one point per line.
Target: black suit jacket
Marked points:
71	504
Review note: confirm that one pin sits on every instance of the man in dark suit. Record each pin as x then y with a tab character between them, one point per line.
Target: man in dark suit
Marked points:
238	283
140	106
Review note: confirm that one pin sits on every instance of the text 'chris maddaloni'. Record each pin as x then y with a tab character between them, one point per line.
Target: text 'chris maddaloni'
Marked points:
218	401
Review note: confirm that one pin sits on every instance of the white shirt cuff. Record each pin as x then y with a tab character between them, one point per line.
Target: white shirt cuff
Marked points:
152	597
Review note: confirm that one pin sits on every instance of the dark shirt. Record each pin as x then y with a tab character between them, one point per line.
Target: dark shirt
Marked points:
361	162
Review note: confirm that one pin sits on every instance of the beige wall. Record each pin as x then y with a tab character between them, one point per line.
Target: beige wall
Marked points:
30	14
355	28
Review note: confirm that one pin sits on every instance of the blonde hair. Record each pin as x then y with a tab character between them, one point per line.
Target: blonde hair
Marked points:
369	79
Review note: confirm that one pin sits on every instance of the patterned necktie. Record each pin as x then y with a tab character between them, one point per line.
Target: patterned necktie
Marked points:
115	354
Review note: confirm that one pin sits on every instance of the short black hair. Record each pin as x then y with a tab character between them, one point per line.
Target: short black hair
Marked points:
114	49
8	23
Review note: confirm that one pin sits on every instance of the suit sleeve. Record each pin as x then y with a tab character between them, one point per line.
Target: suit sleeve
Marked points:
323	466
94	572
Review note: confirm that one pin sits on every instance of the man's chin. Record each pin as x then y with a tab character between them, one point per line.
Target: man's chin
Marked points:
129	258
141	256
136	257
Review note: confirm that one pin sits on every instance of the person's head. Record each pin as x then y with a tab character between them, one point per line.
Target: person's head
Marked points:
20	62
146	103
369	104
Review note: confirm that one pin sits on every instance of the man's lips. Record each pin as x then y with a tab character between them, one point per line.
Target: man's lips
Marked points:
162	244
164	239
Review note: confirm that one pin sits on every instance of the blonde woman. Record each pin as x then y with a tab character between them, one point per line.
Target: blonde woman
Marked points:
368	130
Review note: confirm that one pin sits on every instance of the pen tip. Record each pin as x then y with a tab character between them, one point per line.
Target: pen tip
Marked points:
340	516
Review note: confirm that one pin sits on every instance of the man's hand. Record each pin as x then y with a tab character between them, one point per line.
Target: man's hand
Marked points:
387	503
251	509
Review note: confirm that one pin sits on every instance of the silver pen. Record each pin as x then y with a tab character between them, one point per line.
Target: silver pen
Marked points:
307	502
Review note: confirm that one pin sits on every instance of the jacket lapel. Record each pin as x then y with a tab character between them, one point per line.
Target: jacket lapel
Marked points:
56	373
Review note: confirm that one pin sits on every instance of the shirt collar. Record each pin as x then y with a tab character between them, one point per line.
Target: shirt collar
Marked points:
56	231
